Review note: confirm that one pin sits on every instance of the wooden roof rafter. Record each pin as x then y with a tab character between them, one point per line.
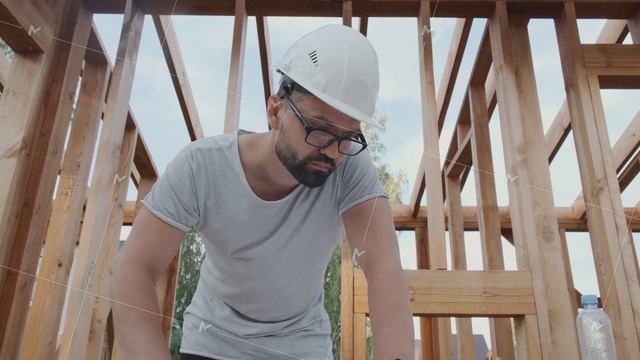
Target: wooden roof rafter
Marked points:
623	9
143	164
179	78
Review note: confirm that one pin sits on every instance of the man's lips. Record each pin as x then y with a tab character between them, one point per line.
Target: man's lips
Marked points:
320	165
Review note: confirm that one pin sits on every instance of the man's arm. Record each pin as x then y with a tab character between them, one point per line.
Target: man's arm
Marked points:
369	229
151	246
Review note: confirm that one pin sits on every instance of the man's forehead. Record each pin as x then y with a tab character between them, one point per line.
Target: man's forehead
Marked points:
318	120
320	114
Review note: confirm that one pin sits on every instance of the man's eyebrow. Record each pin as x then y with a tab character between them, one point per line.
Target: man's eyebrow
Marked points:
324	124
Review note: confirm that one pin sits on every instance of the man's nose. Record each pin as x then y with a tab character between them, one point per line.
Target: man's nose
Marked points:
331	150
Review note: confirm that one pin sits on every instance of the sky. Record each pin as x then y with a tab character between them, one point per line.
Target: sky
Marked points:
205	43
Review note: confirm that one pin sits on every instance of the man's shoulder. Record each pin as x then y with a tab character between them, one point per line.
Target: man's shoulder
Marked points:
210	145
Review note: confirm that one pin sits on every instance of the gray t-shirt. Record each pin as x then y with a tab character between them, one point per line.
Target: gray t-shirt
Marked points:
260	294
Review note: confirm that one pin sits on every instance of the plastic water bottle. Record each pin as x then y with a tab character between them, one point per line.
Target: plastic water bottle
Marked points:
594	331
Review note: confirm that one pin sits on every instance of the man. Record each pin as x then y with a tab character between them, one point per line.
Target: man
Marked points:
270	208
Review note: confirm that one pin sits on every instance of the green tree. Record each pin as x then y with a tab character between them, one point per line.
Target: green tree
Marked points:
6	49
191	256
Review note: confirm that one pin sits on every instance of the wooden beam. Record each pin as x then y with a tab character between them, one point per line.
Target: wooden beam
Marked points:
447	83
620	9
143	162
43	322
621	152
461	159
459	39
347	12
430	140
359	336
265	57
629	173
27	25
103	187
617	65
100	299
460	141
634	26
178	72
489	218
613	31
535	225
353	326
601	190
427	335
458	260
364	23
608	58
403	219
34	164
557	132
461	293
346	307
96	52
431	160
142	159
234	92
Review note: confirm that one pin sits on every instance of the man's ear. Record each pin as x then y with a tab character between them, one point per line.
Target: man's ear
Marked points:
273	108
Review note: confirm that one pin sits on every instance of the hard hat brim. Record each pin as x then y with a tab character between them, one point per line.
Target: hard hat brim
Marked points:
336	104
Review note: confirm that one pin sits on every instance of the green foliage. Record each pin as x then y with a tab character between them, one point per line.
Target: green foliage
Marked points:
191	257
6	49
193	254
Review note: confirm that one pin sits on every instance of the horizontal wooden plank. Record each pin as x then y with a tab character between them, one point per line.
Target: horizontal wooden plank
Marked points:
614	9
611	57
617	65
568	219
460	293
403	219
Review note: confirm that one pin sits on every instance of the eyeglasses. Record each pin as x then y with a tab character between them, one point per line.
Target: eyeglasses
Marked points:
347	145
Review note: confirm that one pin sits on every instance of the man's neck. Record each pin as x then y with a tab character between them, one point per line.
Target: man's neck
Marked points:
266	174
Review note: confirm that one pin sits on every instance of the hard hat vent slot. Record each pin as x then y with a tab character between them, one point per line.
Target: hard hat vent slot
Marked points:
314	57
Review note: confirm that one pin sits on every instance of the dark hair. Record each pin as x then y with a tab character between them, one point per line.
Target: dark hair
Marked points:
290	87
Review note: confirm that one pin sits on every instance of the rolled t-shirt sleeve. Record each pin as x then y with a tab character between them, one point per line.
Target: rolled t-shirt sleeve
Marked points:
359	182
173	197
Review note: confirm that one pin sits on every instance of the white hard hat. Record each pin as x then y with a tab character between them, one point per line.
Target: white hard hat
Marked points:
338	65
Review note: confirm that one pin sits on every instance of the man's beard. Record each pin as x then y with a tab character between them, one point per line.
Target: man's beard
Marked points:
301	169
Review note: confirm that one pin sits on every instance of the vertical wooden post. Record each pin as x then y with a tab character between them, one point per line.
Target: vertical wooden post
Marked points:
427	347
488	217
265	56
359	336
533	215
634	27
101	304
611	240
466	346
347	12
232	111
103	187
36	145
431	160
43	322
346	300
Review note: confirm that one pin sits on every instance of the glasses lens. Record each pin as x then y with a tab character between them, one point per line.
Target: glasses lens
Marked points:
319	138
349	147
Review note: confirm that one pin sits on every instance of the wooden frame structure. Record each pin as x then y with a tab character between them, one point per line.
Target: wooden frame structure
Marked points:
56	47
